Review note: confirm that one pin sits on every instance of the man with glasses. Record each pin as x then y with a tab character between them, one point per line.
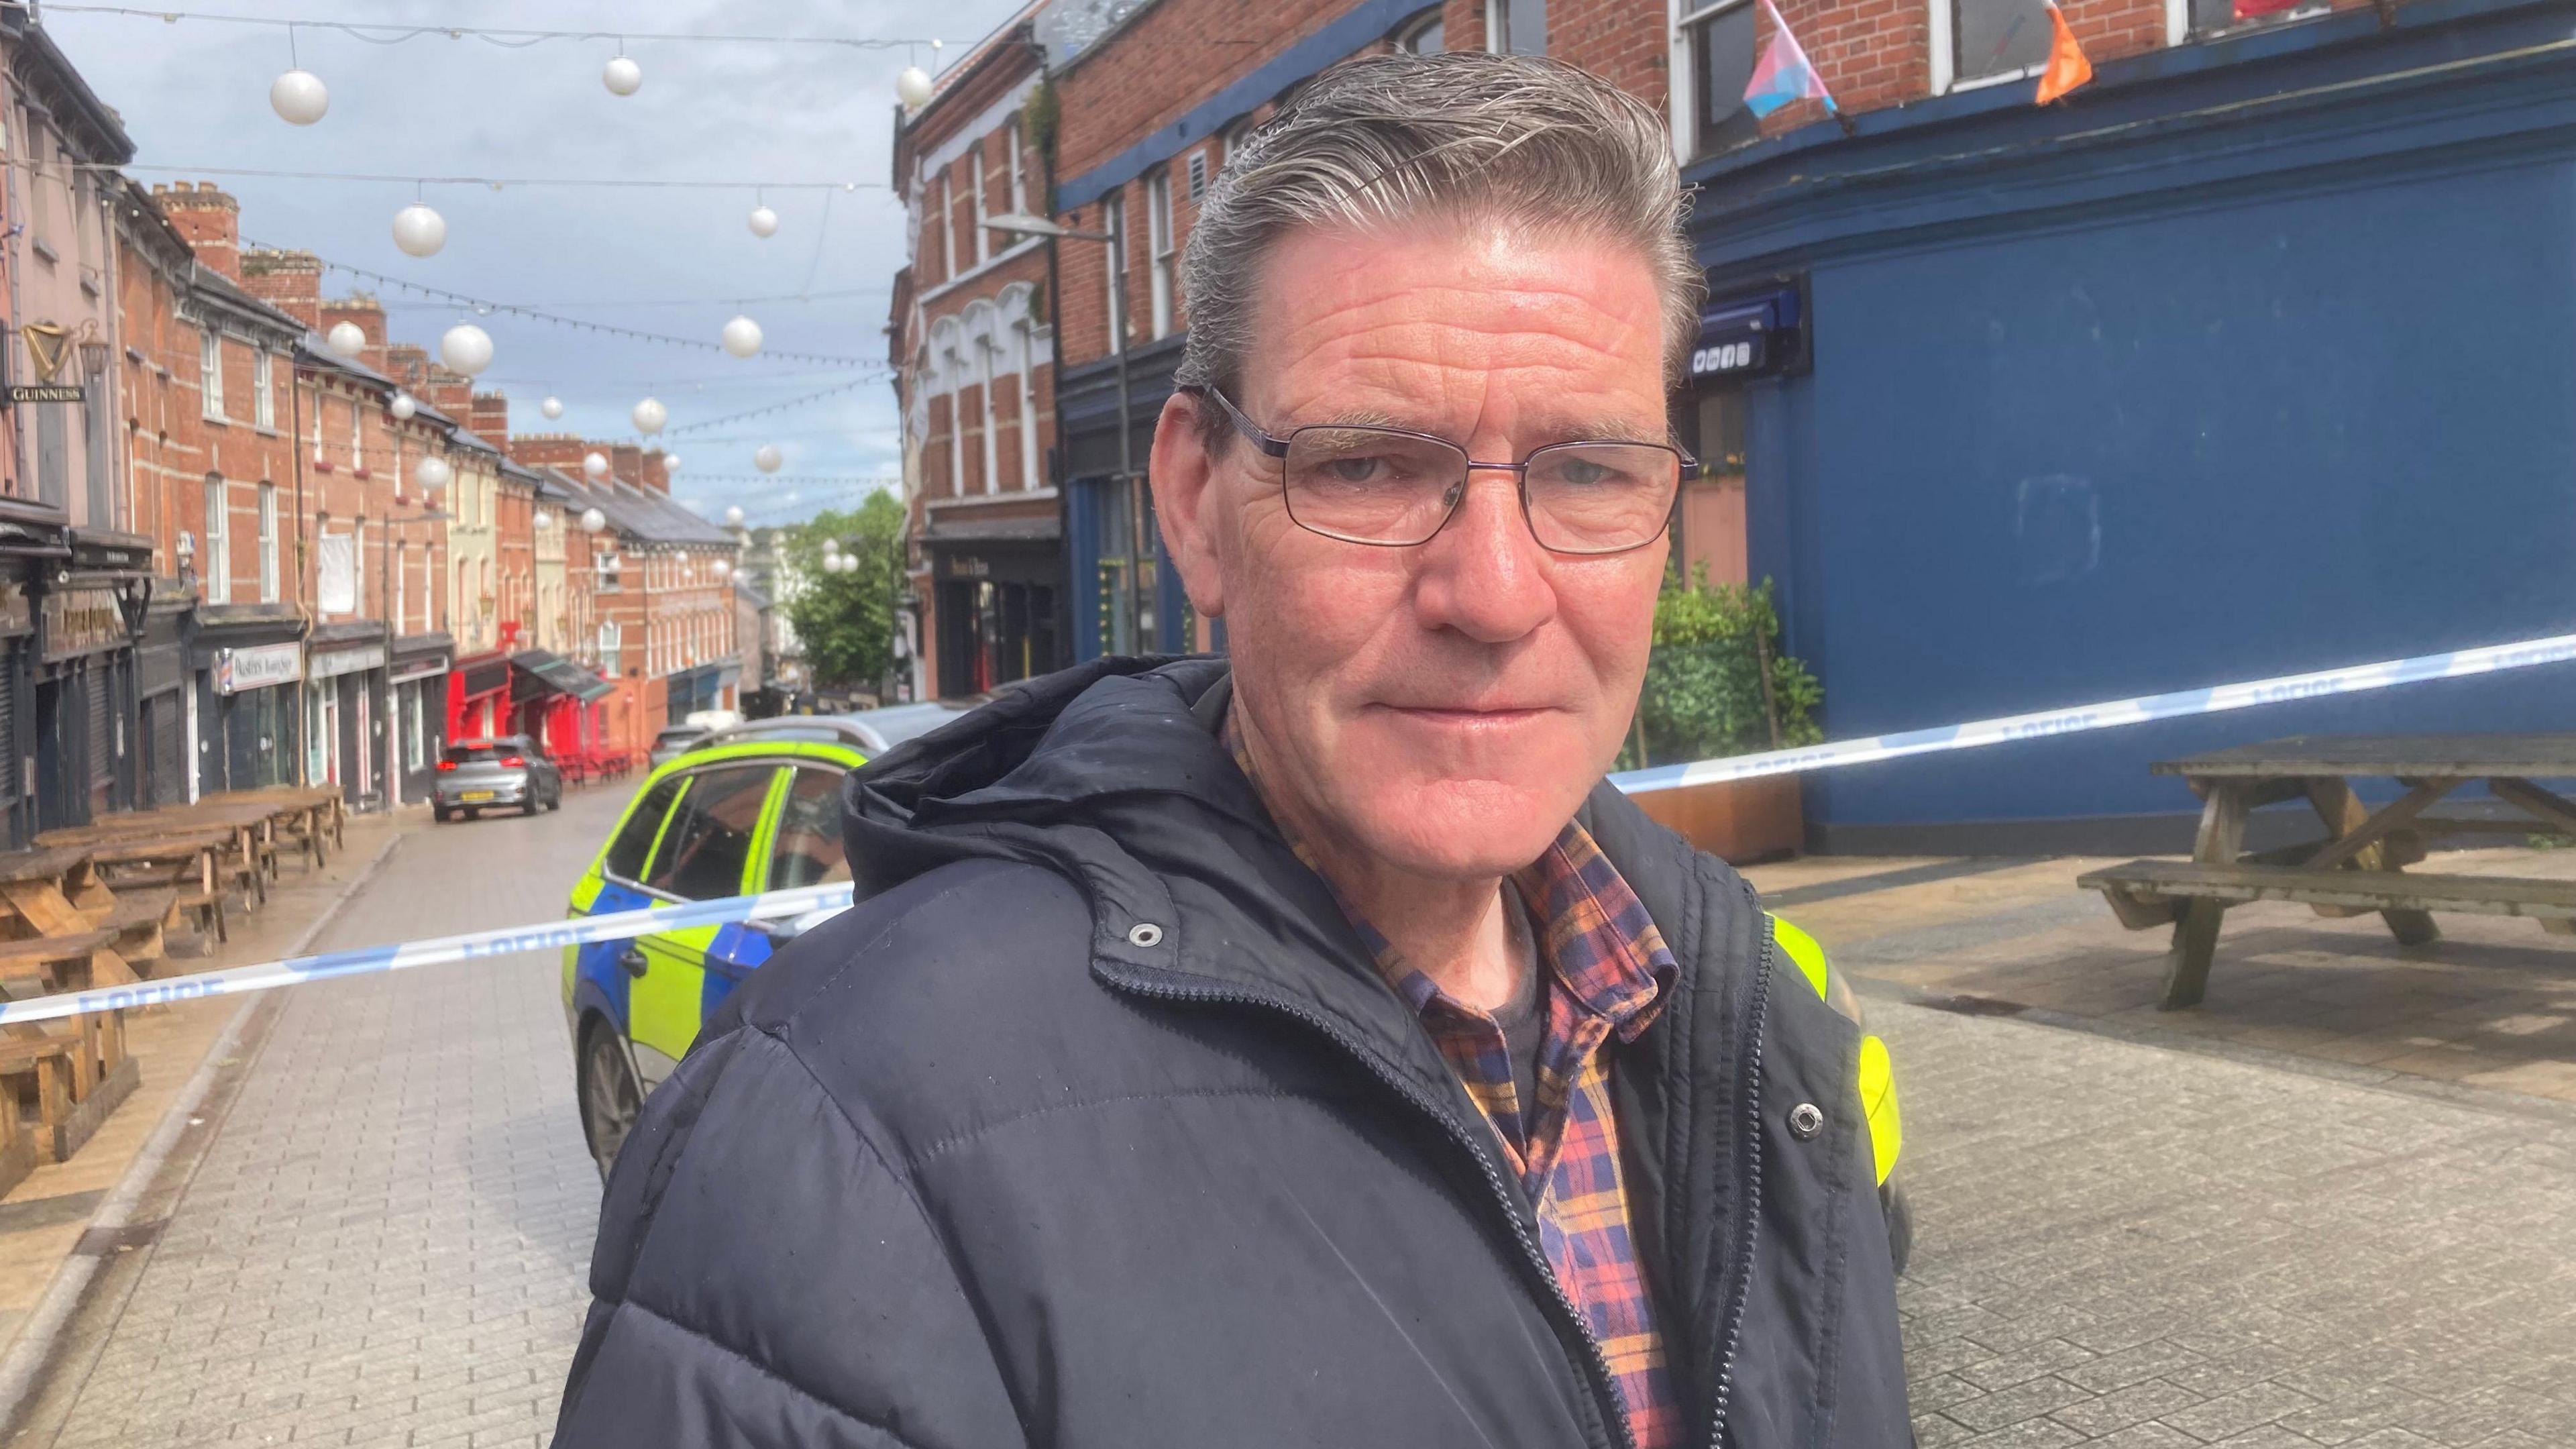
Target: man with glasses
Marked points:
1304	1047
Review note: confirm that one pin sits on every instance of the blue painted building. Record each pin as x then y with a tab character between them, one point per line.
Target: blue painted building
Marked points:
2259	357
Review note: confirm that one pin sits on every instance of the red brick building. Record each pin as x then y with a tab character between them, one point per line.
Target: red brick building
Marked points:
973	343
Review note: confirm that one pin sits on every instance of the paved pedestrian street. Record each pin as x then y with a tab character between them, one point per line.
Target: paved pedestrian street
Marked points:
2122	1243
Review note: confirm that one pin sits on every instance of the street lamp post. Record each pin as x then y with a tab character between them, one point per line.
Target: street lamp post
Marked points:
1022	224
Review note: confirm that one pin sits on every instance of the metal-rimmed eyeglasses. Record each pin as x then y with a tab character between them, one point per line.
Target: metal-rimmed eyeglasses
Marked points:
1393	488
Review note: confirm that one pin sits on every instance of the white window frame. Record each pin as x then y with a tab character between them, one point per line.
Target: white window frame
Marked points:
263	390
215	558
1413	30
210	373
401	581
1230	140
1685	16
357	436
947	228
2177	21
1113	220
1941	34
1495	12
358	569
1028	331
1160	250
1013	137
268	543
975	174
991	357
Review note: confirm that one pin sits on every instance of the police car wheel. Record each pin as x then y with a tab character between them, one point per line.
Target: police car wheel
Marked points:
609	1099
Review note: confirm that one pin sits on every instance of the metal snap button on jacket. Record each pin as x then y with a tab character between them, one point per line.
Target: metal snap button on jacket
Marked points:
1806	1120
1145	933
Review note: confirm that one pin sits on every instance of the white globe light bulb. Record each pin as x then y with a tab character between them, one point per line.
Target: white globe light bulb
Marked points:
433	473
419	231
347	339
733	517
299	97
767	458
592	520
552	407
742	337
465	348
402	407
622	76
723	569
594	465
912	87
649	416
764	222
670	463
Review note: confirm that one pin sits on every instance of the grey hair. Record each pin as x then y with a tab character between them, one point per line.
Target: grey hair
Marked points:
1388	138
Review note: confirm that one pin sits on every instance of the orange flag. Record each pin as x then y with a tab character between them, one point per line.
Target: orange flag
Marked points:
2067	67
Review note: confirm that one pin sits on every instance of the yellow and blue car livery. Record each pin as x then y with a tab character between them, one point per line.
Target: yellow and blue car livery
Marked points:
762	827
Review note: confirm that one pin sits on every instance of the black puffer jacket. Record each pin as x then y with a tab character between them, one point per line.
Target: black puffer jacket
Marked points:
1095	1128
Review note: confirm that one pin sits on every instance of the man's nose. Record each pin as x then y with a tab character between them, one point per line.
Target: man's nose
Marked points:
1484	575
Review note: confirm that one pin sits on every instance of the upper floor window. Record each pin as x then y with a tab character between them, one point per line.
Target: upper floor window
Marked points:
210	373
1422	36
1722	52
1158	226
975	176
1019	174
1519	27
263	394
1996	39
357	436
1113	220
215	565
268	543
947	232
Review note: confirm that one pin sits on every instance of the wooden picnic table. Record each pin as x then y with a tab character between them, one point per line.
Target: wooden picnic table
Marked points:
61	925
2359	864
251	824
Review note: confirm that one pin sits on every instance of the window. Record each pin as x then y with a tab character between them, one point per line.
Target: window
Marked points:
1198	176
1519	27
1027	330
268	543
947	232
989	356
263	396
1019	174
808	849
1997	37
210	372
1113	220
956	429
1422	37
633	846
1158	237
402	587
357	442
358	566
608	642
1229	144
1722	48
983	238
216	566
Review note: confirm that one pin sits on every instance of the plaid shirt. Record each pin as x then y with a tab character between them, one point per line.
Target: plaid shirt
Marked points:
1609	969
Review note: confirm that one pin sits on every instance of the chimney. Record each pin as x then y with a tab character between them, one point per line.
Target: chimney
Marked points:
490	417
209	218
289	281
361	309
626	464
408	364
450	392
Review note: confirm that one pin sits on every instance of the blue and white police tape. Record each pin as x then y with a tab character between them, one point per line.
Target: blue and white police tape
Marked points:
471	945
2352	679
782	905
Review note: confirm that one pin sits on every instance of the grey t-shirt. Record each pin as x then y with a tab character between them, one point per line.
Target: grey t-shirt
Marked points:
1524	1018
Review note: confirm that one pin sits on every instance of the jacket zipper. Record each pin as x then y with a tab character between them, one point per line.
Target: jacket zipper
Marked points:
1748	1231
1606	1399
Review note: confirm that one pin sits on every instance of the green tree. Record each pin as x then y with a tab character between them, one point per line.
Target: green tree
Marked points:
846	619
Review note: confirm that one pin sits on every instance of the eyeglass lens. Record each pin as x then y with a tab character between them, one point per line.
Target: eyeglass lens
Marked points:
1370	485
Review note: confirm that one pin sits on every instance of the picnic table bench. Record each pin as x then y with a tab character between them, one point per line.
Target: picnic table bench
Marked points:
60	927
2359	864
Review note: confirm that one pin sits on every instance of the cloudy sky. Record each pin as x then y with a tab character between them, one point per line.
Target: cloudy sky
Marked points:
194	96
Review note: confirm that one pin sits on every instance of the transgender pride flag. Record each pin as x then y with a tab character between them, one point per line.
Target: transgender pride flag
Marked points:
1784	73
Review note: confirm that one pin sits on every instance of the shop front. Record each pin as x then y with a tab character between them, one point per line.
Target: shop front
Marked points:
34	543
345	698
690	690
557	702
478	697
89	616
419	674
997	610
1747	340
248	661
163	711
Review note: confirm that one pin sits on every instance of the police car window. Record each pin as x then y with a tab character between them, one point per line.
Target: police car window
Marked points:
709	841
808	851
633	843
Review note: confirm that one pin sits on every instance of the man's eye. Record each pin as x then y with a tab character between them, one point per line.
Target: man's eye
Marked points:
1359	468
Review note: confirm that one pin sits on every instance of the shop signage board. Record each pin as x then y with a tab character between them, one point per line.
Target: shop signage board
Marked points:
1747	336
82	621
46	392
348	661
258	666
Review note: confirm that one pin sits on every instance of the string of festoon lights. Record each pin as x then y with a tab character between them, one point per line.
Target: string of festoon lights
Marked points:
301	99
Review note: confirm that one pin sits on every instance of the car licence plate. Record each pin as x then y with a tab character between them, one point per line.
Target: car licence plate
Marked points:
475	797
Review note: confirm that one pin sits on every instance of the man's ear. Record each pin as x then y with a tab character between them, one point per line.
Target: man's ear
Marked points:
1189	503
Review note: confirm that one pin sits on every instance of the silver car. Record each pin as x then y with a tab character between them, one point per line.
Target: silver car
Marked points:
507	773
673	740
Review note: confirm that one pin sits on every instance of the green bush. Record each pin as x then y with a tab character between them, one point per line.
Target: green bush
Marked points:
1704	694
